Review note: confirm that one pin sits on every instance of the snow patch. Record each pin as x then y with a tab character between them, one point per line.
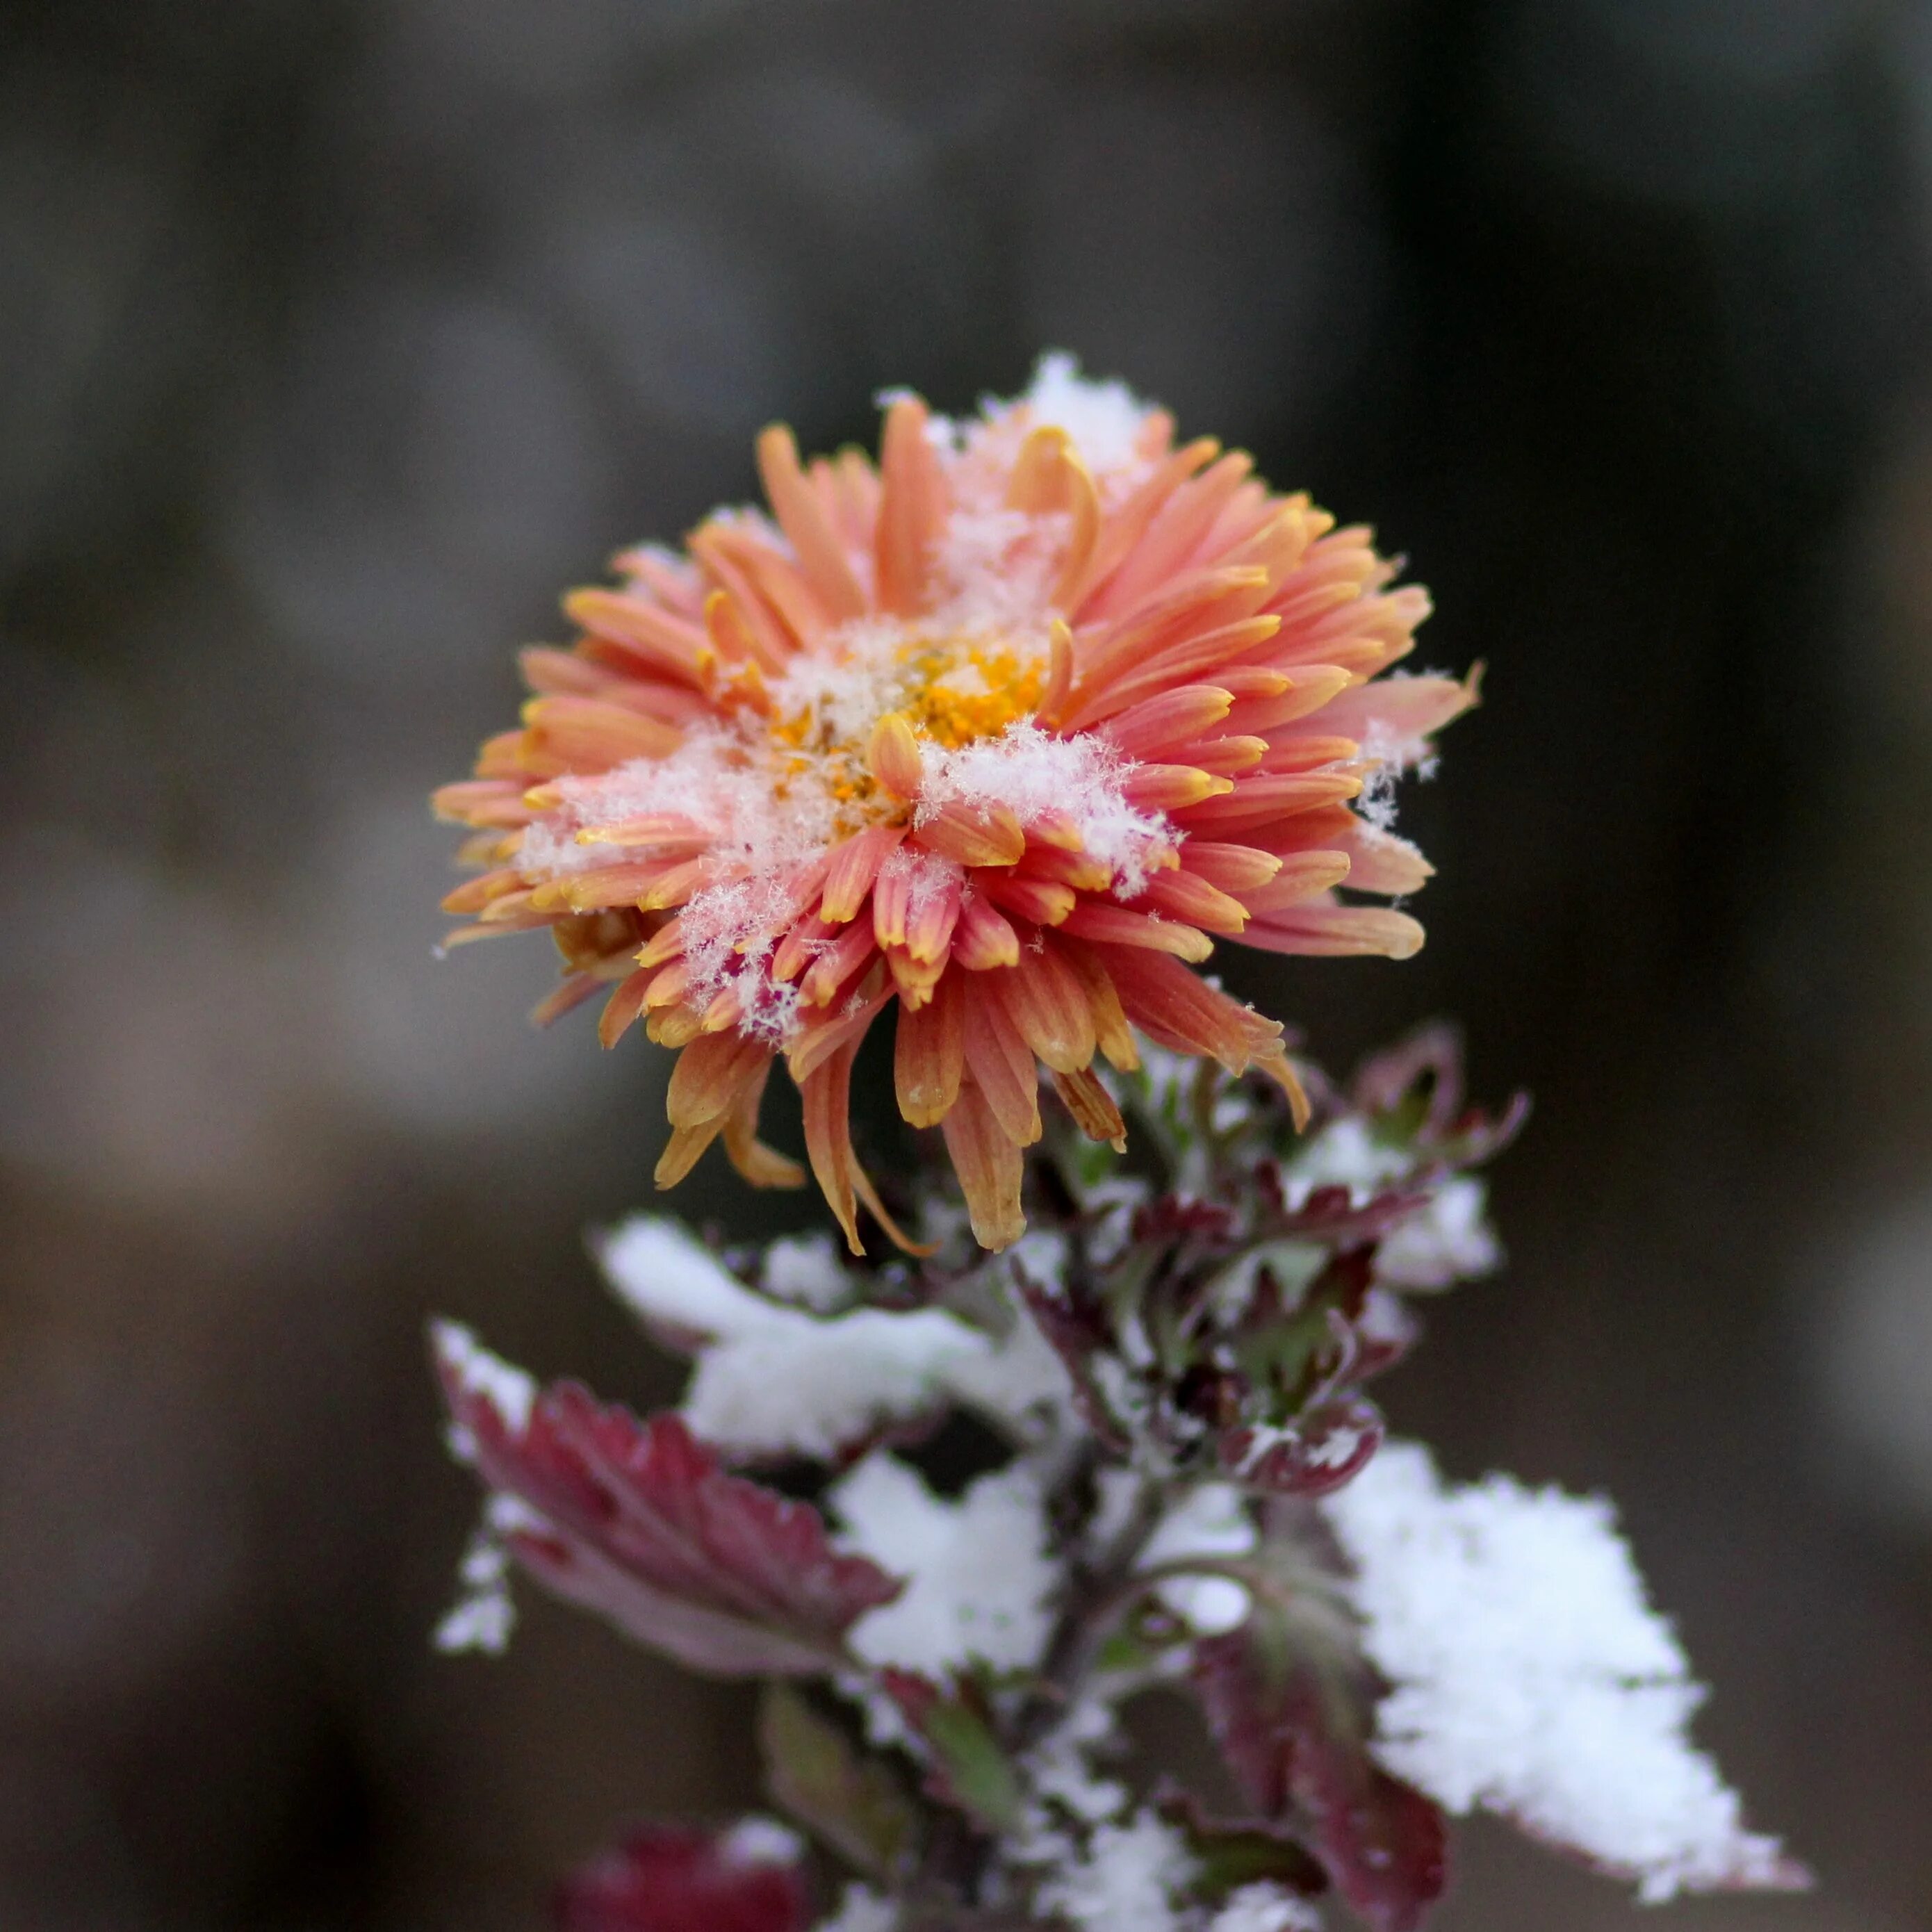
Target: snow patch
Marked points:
507	1389
982	1580
1265	1908
1213	1520
1124	1880
1033	775
1449	1240
1531	1677
861	1909
805	1269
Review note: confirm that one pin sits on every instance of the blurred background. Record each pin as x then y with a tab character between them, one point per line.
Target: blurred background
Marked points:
338	336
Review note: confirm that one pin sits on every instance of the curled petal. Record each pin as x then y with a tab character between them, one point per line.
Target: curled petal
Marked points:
984	938
761	1165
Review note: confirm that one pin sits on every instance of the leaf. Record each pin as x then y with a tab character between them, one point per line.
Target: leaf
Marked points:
1291	1726
1077	1333
853	1803
970	1770
665	1879
1229	1856
637	1521
1326	1447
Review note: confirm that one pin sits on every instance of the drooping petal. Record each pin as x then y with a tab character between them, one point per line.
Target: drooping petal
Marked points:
990	1167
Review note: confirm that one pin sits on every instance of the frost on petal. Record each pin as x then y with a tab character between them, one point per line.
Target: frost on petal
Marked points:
1104	417
637	1521
1127	1878
1531	1677
665	1880
1082	777
980	1581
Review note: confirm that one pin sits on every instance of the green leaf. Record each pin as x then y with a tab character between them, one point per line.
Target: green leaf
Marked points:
977	1775
852	1802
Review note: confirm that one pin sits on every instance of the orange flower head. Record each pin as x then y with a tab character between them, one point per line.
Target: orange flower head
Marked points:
1004	731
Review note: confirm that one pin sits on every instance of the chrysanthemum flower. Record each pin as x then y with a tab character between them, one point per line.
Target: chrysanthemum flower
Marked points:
1004	732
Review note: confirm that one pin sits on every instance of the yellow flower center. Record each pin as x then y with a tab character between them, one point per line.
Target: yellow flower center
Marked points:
951	690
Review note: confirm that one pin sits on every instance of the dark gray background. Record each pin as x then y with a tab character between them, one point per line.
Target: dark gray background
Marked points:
338	336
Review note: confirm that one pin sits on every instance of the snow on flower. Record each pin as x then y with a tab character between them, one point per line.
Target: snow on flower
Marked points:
772	1380
1004	733
1531	1676
982	1578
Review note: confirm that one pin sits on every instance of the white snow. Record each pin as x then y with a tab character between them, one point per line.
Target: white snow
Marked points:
805	1269
665	1274
1124	1880
1448	1241
774	1380
861	1909
1212	1520
1059	1770
509	1390
1531	1677
1265	1908
760	1841
1033	775
483	1614
1103	418
1347	1153
981	1581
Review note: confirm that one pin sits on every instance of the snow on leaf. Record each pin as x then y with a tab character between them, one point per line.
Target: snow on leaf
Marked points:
1127	1878
980	1578
1326	1447
1289	1732
772	1380
1531	1677
637	1521
667	1879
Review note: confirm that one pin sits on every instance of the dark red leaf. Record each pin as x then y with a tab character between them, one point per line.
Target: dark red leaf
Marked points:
1330	1214
1385	1079
1174	1216
1327	1447
664	1880
637	1521
1230	1855
1076	1335
1293	1737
